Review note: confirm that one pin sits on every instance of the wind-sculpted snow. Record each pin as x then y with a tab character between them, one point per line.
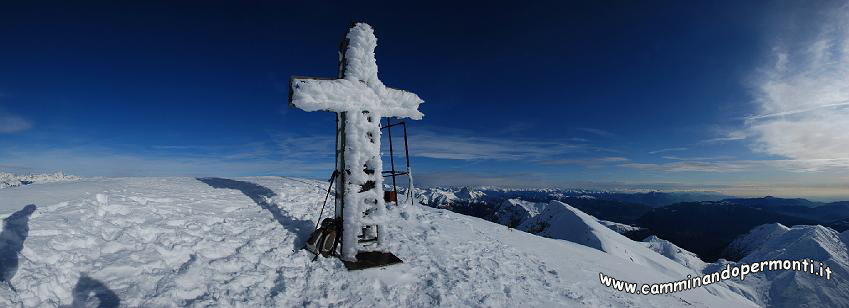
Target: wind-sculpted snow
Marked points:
164	242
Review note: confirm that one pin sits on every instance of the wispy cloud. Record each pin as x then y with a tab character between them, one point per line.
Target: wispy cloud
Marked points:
698	158
304	146
12	123
464	178
691	166
803	94
799	111
457	145
596	131
586	161
667	150
725	164
452	144
728	136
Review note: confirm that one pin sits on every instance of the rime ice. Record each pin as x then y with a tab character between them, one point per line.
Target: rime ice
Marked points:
359	88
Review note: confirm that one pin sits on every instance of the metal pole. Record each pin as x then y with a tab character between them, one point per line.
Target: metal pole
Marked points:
409	172
392	162
406	150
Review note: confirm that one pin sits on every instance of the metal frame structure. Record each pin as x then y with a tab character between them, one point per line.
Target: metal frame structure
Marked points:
392	172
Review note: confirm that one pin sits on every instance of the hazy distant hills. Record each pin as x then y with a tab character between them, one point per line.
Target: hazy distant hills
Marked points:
706	228
829	214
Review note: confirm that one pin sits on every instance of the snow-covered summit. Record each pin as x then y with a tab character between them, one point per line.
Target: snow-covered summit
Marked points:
159	242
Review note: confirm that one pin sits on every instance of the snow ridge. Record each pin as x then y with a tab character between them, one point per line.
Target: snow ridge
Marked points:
12	180
793	288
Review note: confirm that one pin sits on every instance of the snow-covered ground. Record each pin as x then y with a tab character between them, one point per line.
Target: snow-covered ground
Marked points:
157	242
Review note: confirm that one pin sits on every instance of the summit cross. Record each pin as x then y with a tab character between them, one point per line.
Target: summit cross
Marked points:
359	100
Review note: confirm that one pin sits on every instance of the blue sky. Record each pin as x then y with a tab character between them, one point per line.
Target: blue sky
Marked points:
747	99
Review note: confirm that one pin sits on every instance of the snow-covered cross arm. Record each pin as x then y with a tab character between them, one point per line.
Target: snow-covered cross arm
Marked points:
359	88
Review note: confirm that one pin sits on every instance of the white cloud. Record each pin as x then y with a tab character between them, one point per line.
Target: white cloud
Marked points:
803	98
11	123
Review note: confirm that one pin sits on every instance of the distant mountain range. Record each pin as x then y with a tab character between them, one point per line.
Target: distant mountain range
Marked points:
702	222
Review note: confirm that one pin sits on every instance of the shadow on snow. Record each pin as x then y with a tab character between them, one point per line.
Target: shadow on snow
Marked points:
15	231
261	195
90	292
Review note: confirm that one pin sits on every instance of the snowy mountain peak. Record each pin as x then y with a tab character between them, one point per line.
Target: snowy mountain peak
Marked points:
468	194
512	212
752	240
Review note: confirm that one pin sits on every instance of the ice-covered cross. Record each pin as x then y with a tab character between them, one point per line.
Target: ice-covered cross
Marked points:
360	100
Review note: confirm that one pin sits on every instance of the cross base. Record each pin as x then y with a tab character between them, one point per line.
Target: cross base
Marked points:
371	259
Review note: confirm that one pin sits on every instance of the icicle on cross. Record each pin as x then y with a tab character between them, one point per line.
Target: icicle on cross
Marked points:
360	100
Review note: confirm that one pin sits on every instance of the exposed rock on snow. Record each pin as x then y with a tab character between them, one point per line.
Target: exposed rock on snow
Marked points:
166	242
513	212
619	228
